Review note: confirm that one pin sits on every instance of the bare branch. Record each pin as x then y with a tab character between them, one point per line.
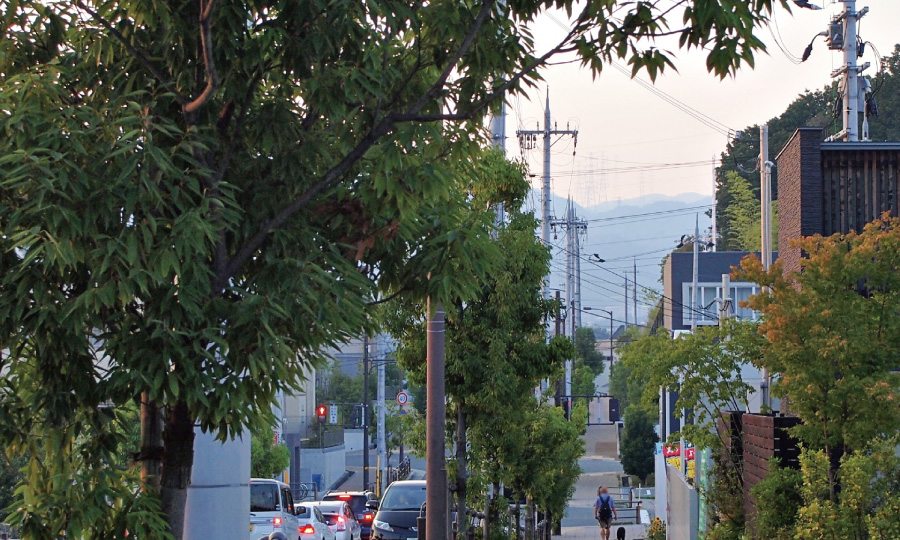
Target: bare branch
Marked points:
135	52
212	77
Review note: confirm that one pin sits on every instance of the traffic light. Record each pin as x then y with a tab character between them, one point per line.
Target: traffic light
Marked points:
321	412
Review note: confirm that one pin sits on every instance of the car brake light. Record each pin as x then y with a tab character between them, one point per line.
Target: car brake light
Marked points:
368	517
276	522
309	529
341	526
344	497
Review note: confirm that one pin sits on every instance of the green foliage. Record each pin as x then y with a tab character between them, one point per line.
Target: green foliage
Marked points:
832	335
638	447
725	498
777	501
207	196
744	216
704	367
627	383
586	349
344	390
267	458
583	380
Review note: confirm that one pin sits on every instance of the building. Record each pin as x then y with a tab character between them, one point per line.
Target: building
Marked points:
832	187
678	275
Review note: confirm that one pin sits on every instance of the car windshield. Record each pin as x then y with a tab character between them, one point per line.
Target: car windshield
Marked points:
264	497
404	497
357	502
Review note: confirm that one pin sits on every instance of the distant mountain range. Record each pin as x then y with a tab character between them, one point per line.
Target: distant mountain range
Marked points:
625	233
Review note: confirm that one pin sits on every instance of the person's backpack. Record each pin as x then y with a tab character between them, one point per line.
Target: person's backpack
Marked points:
605	509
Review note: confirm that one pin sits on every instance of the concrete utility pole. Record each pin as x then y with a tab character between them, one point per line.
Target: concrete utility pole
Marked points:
715	204
365	412
382	443
694	292
435	430
766	225
634	290
528	141
498	139
625	274
842	36
574	228
558	400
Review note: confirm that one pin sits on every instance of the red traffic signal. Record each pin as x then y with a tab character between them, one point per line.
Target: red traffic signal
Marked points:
321	411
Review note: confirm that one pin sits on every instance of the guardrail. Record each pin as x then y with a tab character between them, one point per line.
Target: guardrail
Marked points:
401	472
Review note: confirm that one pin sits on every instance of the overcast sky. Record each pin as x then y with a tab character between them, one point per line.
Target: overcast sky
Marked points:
623	126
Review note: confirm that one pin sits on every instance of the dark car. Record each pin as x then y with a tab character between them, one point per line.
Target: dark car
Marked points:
398	511
358	501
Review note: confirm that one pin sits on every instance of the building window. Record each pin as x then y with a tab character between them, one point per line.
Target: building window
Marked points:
707	305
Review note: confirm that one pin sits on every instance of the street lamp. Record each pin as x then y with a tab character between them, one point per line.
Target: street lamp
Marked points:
609	313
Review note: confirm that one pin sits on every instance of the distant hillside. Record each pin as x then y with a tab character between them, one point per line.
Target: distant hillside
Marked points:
629	232
816	109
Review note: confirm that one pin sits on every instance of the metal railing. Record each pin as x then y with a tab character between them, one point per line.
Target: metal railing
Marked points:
400	472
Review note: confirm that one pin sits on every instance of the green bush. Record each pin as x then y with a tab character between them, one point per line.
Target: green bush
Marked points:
778	499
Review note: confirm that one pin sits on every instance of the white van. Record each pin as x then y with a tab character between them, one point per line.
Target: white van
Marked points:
272	509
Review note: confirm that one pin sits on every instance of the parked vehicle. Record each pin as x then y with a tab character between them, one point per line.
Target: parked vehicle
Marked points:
313	525
398	511
272	509
340	518
357	501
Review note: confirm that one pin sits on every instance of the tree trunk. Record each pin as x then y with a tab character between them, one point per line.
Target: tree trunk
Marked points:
177	464
151	451
462	521
529	519
518	535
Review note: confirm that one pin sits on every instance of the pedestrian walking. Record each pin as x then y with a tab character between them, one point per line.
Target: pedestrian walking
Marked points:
604	511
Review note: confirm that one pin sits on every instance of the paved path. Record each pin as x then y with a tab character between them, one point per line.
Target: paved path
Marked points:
601	468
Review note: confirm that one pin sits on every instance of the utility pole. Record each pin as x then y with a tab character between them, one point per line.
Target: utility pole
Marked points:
498	140
558	399
715	204
435	418
382	443
695	295
528	141
625	273
766	241
574	227
634	290
365	412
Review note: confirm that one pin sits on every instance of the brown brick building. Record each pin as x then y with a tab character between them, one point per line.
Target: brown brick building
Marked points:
832	187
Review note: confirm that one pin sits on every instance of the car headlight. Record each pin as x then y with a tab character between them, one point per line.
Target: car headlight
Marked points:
383	525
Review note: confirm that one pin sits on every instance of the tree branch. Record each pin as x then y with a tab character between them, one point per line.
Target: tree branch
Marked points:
212	77
134	52
382	128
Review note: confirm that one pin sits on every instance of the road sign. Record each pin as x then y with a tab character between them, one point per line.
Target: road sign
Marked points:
332	414
402	398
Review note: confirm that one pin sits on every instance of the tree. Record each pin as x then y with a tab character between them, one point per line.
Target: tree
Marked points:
586	349
744	215
638	444
832	335
185	183
267	457
495	349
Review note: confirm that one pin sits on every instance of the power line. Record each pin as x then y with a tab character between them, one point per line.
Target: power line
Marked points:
649	214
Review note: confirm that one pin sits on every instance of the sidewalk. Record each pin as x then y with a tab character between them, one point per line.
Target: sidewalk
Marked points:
601	467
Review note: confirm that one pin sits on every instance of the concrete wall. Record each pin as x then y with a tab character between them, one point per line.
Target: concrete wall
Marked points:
683	505
353	439
328	462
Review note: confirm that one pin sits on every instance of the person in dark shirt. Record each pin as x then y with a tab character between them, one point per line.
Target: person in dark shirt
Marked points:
604	511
